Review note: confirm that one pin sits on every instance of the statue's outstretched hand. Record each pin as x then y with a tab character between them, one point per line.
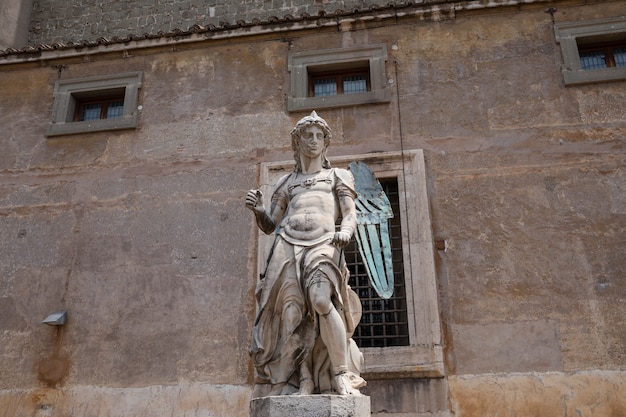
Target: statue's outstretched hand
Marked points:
341	239
254	200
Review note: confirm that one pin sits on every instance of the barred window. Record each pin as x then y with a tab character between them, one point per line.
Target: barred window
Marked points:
109	105
593	51
332	83
94	104
384	322
337	78
596	56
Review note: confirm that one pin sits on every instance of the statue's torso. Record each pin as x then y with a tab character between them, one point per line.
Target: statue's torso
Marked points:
312	208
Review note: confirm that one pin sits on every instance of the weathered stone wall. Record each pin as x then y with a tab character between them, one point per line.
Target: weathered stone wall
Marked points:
14	23
61	21
143	237
595	393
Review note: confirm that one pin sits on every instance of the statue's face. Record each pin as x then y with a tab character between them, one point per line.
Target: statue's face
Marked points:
311	141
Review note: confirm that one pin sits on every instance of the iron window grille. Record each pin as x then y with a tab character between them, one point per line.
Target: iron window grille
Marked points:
332	83
99	108
597	56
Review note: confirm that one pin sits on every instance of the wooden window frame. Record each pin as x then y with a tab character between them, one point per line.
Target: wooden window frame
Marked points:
607	48
68	94
339	75
576	36
105	102
305	65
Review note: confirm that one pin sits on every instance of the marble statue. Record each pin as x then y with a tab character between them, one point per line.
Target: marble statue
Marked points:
306	312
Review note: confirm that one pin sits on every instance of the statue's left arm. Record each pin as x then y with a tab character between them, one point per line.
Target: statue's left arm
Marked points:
344	188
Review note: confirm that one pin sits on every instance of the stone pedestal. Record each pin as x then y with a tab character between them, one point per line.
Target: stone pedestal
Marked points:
311	406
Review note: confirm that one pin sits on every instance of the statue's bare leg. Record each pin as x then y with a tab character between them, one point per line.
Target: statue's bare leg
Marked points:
333	334
332	329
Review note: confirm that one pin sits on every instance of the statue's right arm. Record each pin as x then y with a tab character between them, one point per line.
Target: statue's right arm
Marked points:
266	221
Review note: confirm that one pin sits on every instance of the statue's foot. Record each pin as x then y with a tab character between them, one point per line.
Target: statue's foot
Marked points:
277	389
348	383
306	387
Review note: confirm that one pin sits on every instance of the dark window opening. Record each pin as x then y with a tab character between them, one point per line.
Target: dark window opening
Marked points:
336	80
105	105
384	322
602	55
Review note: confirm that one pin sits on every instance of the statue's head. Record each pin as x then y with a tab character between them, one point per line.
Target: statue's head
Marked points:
311	120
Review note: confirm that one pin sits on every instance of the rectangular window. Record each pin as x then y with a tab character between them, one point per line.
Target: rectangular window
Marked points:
384	322
324	81
95	104
596	56
593	51
337	78
105	105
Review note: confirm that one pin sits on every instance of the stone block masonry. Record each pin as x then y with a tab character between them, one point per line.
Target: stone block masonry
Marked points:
61	21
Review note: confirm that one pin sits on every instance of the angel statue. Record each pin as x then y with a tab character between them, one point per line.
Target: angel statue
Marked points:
306	312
